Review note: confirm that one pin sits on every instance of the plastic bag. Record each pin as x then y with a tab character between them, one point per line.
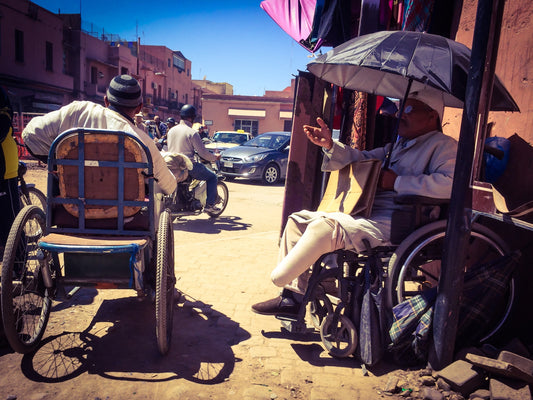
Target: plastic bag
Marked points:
494	166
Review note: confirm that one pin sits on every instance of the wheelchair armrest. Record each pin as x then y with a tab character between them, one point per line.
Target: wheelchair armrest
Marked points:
413	199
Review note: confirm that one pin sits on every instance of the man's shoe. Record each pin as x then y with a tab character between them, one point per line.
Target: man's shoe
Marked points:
277	306
211	209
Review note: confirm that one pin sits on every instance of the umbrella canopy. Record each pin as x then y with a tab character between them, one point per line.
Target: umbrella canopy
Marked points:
384	62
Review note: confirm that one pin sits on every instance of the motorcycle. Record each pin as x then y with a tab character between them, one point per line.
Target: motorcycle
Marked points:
190	196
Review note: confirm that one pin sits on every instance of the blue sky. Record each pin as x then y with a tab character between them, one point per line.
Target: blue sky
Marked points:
231	41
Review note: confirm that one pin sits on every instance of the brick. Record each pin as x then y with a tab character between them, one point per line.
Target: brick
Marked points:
522	363
509	389
501	368
462	377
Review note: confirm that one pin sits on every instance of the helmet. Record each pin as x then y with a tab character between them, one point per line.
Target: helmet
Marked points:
171	120
188	111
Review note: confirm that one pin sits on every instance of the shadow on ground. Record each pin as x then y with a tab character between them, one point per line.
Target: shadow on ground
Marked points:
211	225
309	348
120	344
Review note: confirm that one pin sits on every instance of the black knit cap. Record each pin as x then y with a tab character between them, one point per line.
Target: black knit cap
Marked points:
124	91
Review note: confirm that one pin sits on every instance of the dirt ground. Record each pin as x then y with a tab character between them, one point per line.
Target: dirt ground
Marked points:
101	343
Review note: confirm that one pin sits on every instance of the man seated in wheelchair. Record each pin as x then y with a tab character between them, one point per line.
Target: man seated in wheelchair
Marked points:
422	163
122	101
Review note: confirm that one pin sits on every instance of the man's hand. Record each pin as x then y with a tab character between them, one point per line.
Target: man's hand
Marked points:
320	136
387	179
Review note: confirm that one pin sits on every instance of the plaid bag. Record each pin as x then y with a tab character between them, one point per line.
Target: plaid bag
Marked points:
411	328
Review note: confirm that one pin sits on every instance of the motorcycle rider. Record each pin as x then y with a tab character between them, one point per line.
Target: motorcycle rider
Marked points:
183	139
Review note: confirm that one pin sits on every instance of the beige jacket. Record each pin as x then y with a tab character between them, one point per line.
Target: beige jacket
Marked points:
41	132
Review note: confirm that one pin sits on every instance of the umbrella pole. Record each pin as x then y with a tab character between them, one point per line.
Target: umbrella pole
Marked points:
397	126
445	320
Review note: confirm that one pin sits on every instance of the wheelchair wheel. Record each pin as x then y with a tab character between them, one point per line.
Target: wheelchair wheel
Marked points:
338	335
33	197
26	303
415	265
222	199
165	281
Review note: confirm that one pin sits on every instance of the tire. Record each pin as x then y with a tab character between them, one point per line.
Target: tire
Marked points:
222	199
165	282
33	197
271	174
340	338
26	303
415	265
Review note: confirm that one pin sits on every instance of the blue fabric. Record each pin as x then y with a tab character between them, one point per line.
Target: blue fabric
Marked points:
201	172
495	167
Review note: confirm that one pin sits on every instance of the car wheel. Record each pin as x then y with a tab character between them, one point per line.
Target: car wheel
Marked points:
271	174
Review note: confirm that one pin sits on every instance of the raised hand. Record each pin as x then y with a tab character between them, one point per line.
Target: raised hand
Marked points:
321	136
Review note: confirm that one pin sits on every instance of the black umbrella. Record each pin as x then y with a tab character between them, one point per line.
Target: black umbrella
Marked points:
386	63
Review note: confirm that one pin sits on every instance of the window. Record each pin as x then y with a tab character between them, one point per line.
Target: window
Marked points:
124	71
19	46
178	62
168	62
250	126
287	125
49	56
94	75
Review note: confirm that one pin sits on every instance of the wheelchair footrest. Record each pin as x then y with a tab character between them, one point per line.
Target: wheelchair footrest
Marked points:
293	325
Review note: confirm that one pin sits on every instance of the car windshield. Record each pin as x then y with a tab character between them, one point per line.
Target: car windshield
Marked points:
267	141
230	137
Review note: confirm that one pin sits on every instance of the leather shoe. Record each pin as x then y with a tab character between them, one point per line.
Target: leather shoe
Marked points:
277	306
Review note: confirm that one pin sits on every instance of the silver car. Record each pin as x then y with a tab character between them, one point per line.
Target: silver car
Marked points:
264	157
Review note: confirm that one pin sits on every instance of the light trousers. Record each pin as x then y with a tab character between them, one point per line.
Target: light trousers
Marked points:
301	245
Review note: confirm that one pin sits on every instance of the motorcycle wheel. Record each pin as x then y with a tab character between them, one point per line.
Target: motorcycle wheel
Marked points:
222	199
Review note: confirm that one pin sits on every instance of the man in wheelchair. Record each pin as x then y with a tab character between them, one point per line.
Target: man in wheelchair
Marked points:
422	163
122	101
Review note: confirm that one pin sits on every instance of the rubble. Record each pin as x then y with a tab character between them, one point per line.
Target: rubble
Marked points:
484	372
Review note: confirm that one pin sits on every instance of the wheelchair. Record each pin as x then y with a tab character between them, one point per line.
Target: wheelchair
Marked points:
408	267
105	229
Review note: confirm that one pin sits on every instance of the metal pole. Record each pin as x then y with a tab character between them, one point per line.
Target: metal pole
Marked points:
445	318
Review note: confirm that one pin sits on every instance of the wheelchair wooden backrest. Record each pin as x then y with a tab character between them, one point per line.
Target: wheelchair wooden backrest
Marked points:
101	174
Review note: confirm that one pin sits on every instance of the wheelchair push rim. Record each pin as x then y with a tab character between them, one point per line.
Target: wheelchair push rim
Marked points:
415	266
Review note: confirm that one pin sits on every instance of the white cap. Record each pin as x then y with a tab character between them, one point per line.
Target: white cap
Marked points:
432	98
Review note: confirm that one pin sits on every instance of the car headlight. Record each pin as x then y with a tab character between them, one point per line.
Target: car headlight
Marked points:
255	158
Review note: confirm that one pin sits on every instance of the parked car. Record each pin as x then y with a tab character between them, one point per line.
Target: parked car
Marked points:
223	140
264	157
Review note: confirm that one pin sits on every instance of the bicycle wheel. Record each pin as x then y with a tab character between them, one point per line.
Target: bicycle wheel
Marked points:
338	335
33	197
26	303
415	265
165	282
222	199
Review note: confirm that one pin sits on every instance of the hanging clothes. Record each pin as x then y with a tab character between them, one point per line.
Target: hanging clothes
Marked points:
417	15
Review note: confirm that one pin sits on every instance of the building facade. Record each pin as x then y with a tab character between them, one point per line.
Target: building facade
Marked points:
254	114
48	60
